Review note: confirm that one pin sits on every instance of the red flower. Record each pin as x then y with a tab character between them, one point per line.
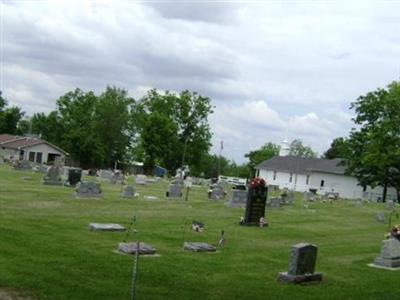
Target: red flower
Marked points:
257	182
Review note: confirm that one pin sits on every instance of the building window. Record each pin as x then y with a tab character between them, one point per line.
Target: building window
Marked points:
322	183
39	157
291	177
32	156
21	155
274	176
308	179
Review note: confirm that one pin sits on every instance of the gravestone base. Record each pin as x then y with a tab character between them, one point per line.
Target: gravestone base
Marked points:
52	182
387	262
131	248
300	279
198	247
106	227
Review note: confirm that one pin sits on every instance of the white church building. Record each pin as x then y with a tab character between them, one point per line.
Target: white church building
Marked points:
316	174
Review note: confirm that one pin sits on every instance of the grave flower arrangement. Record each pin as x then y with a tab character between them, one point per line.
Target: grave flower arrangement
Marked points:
394	232
257	182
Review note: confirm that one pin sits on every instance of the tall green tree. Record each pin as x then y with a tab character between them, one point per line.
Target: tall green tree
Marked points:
186	136
298	149
338	149
266	151
374	146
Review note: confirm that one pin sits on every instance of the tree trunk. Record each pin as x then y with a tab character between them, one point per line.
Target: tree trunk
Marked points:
398	195
384	192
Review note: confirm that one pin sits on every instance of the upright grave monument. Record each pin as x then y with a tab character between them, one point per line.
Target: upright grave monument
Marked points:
256	200
303	257
390	255
89	189
175	191
53	175
74	175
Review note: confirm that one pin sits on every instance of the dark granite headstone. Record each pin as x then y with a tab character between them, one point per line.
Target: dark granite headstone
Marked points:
74	175
255	206
303	257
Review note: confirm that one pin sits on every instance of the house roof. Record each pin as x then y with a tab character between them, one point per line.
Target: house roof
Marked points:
20	142
7	137
303	165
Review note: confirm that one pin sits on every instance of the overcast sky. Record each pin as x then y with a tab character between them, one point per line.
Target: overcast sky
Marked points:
273	69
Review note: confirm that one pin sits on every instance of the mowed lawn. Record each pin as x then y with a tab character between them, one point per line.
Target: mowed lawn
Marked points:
47	251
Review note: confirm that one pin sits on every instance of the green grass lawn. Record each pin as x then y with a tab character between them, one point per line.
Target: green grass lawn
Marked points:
47	251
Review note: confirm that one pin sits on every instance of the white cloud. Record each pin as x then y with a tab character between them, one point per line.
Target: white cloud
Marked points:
309	59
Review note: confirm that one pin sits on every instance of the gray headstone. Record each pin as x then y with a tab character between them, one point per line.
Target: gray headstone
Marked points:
390	254
117	178
85	189
106	174
275	202
40	169
239	199
380	217
53	176
175	191
131	248
128	191
140	179
391	205
217	192
302	262
287	198
22	165
309	196
106	227
198	247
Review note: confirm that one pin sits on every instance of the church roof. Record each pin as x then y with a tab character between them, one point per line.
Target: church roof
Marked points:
303	165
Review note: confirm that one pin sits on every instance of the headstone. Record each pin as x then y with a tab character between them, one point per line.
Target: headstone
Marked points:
140	179
117	178
131	248
198	247
255	205
275	202
106	174
128	191
287	198
88	189
22	165
391	205
74	175
309	196
175	191
390	254
301	265
380	217
216	192
239	198
53	175
106	227
40	169
151	180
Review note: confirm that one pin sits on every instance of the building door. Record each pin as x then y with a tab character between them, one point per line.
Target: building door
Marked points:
39	157
52	157
21	154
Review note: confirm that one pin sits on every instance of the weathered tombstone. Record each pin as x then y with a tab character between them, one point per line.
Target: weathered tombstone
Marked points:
301	265
106	174
275	202
74	175
175	191
106	227
140	179
198	247
390	255
40	169
128	191
117	178
22	165
309	196
85	189
216	192
391	205
239	198
256	200
53	175
380	217
151	180
131	248
287	198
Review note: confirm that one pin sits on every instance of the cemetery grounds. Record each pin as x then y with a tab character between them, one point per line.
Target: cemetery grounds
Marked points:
47	251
